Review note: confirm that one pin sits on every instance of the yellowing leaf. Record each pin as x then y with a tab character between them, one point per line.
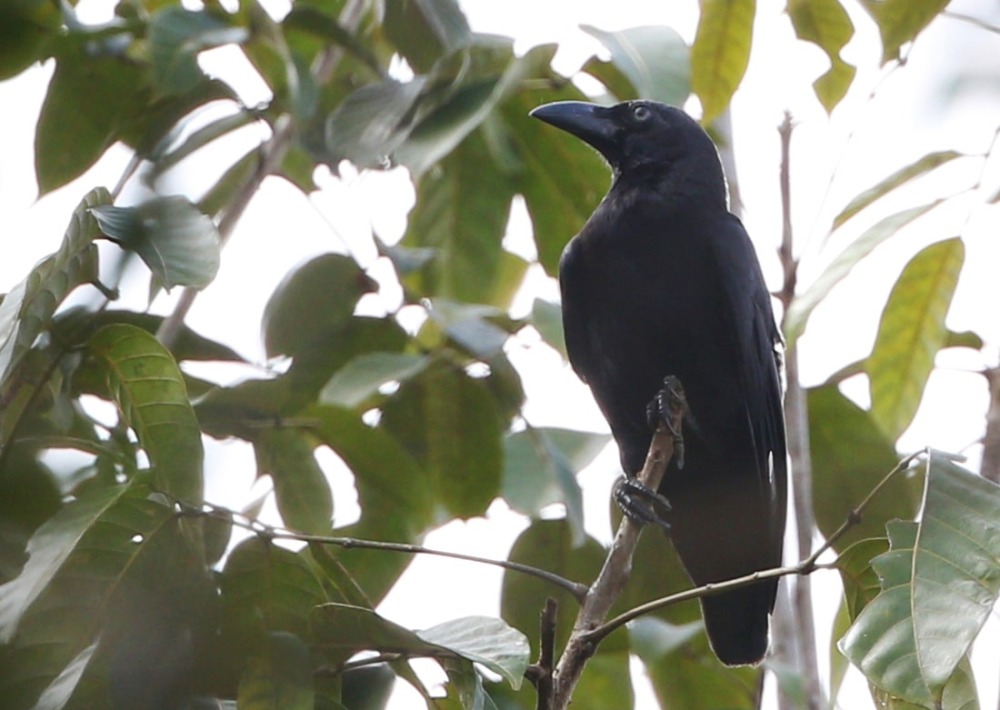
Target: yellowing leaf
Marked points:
910	333
900	21
826	24
721	52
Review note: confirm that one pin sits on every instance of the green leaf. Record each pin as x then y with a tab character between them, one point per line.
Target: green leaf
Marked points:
179	244
281	677
721	52
547	319
406	260
49	548
77	325
361	378
146	384
160	119
902	176
800	309
471	327
312	301
58	694
939	581
90	564
369	687
298	168
965	339
861	583
832	86
652	638
333	349
389	511
368	126
618	86
850	455
606	682
353	628
826	24
910	333
176	36
472	104
540	467
548	545
655	59
424	30
691	677
900	21
89	100
25	29
265	588
464	678
506	386
28	307
300	487
461	213
168	156
484	640
324	25
448	421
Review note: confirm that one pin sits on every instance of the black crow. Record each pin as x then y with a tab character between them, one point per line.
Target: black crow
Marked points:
662	280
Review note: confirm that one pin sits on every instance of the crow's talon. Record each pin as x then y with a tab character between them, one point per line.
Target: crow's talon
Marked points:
640	503
668	404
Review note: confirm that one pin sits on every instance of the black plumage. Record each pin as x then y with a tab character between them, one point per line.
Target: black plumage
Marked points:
663	280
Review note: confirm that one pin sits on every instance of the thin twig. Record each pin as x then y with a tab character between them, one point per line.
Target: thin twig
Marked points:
611	580
273	533
545	667
797	430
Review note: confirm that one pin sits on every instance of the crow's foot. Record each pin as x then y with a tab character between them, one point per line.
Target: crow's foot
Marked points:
640	503
669	404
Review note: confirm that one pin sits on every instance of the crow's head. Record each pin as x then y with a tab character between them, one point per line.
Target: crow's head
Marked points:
641	139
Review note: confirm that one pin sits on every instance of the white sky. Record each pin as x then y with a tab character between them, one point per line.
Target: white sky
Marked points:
915	111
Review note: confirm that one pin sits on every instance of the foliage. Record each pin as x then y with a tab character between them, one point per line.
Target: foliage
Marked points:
120	587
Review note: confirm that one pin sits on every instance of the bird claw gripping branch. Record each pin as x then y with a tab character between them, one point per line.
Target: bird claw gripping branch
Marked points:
669	406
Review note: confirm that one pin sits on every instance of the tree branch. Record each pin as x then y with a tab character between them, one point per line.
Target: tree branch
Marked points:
544	669
797	432
617	566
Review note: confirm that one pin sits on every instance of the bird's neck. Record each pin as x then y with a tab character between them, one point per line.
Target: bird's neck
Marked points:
667	192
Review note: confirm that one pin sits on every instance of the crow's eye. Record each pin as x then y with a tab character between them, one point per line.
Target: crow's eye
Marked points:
641	113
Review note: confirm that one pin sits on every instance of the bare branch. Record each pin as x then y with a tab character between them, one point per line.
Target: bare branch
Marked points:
611	580
545	667
797	432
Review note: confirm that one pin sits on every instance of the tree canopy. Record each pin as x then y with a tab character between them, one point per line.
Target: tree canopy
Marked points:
123	585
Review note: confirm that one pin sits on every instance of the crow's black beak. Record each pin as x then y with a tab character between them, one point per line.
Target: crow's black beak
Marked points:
589	122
